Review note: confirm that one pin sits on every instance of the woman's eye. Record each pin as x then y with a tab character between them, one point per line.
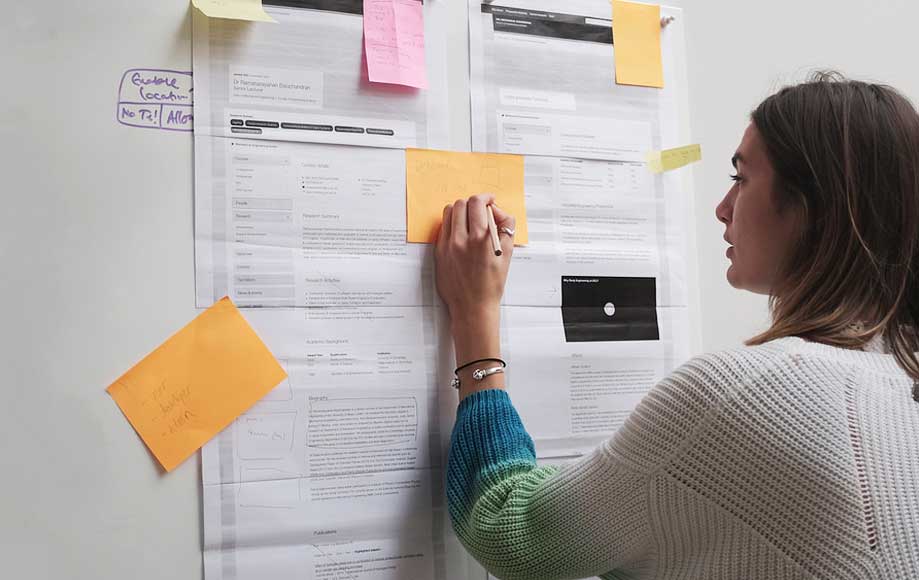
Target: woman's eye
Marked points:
734	177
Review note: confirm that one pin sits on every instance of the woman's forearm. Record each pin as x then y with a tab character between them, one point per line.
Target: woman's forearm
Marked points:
470	277
477	335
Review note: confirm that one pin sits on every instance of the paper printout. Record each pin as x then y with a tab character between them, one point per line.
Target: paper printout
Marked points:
597	302
338	472
394	42
596	218
305	79
602	351
670	159
437	178
542	84
270	103
301	224
316	225
196	383
637	44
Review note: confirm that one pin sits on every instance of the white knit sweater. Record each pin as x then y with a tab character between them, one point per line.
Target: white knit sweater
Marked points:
790	460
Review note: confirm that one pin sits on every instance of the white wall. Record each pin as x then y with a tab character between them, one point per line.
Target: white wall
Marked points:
740	51
96	258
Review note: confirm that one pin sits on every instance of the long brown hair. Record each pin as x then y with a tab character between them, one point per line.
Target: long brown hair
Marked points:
846	156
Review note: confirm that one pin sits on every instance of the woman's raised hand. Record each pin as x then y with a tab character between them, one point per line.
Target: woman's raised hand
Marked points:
470	277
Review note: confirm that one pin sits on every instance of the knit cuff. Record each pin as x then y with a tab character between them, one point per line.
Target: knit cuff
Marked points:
489	444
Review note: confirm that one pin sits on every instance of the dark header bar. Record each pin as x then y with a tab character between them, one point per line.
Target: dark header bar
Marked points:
548	24
343	6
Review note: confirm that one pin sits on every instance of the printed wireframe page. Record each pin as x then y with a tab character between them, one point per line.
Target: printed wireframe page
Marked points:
579	371
594	218
305	79
542	83
281	224
596	306
299	162
337	472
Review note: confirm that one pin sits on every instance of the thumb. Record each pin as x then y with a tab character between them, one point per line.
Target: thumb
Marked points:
504	220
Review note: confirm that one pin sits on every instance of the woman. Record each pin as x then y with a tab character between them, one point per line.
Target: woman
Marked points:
796	456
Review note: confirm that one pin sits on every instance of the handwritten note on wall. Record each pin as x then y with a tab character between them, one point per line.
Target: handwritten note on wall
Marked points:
196	383
394	42
155	99
436	178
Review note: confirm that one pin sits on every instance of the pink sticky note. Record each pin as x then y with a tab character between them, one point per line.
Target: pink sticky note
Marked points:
394	42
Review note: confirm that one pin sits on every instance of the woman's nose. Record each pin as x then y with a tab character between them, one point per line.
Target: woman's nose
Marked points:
723	210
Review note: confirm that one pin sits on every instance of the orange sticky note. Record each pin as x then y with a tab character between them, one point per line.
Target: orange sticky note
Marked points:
435	178
637	44
196	383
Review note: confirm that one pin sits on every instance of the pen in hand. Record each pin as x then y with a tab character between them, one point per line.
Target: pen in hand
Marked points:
493	230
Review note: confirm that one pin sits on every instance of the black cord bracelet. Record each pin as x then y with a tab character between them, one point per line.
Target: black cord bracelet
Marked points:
469	364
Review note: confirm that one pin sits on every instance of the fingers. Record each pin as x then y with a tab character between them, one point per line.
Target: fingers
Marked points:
458	231
502	218
445	226
476	215
467	218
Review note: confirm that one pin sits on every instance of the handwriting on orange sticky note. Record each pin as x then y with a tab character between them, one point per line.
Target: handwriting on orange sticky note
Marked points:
434	179
637	44
196	383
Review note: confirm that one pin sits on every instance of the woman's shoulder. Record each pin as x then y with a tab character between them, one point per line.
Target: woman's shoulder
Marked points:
763	379
674	408
727	368
733	368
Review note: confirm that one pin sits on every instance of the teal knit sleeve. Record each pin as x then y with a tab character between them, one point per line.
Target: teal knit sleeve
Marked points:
526	522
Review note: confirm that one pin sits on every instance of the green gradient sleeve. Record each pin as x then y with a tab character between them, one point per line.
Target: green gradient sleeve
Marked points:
518	520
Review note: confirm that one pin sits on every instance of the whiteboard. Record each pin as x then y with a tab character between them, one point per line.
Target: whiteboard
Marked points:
96	246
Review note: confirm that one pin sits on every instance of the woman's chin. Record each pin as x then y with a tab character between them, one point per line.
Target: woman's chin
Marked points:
733	278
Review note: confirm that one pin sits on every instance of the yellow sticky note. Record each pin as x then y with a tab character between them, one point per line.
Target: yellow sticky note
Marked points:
670	159
196	383
637	44
234	9
435	178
